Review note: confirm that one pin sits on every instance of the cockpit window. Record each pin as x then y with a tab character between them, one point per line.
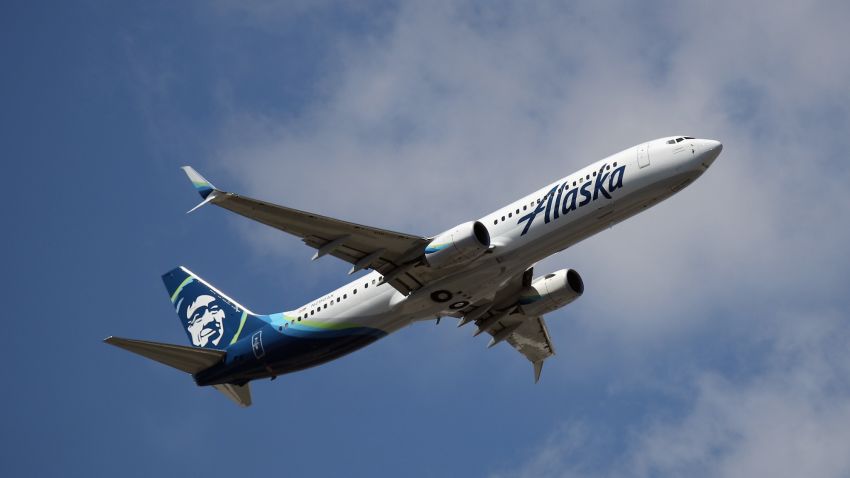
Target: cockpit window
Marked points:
679	139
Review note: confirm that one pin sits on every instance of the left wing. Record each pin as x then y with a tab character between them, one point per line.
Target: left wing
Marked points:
397	256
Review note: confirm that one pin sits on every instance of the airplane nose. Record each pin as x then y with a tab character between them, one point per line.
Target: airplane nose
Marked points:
712	149
713	146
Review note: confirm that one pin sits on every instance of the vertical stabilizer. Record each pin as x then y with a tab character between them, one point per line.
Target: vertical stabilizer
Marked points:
210	318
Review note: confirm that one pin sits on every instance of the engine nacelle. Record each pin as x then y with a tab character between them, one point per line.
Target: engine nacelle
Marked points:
551	292
460	244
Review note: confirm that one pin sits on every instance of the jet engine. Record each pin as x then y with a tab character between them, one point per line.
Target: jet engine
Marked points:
460	244
551	292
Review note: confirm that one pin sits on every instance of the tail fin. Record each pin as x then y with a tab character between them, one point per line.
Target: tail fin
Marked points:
210	318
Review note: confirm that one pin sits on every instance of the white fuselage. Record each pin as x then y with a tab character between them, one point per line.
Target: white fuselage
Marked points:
650	173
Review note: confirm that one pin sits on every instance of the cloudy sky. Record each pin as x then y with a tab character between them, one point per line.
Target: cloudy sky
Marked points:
713	338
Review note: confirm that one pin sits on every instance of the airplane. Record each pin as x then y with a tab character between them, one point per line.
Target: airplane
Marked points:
479	272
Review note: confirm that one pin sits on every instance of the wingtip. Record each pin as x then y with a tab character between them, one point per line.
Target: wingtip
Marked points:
538	368
204	187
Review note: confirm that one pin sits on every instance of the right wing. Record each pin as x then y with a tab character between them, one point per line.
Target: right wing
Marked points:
528	335
397	256
532	339
503	319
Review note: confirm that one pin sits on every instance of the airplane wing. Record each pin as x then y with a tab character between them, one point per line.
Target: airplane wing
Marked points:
504	321
395	255
532	340
528	335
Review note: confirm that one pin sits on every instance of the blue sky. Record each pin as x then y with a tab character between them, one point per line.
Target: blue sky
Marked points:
711	341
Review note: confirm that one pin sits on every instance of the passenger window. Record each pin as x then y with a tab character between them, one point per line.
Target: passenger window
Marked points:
337	299
344	296
615	164
510	214
366	285
325	307
495	222
355	291
503	218
517	211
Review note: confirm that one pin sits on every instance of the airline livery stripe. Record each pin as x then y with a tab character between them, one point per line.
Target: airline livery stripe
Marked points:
239	330
180	287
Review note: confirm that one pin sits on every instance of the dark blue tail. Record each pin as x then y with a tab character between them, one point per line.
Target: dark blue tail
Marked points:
210	318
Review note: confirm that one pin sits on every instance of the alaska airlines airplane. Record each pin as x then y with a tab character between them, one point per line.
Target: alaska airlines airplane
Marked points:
479	272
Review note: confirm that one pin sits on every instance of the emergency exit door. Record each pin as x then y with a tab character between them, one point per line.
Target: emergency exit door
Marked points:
643	155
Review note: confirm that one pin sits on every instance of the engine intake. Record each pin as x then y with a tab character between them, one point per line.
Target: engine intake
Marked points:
458	245
551	292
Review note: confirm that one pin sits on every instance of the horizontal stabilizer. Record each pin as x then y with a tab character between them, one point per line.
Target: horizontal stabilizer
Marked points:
239	394
188	359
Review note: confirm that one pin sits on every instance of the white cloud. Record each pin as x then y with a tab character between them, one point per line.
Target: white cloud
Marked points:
790	418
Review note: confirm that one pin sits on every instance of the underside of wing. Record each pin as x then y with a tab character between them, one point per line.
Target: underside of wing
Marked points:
532	340
504	320
528	335
395	255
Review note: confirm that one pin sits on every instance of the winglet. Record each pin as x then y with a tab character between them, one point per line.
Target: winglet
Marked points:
204	187
538	367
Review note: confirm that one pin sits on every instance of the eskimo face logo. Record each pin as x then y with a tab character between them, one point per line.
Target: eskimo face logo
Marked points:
205	321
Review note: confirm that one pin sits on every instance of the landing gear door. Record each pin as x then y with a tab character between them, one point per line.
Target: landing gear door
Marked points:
643	155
